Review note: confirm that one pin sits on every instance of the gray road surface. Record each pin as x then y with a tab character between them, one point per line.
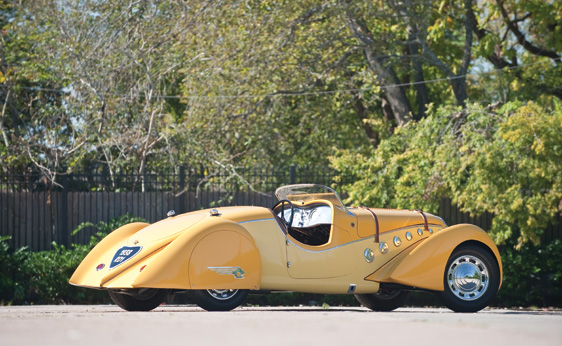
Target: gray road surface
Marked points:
84	325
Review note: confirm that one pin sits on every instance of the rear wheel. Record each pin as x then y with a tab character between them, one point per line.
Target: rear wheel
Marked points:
471	279
383	300
219	300
144	299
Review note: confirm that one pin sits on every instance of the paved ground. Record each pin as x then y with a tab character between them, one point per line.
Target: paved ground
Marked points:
188	325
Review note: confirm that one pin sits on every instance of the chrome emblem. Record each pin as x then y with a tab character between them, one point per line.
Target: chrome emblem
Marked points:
369	255
236	271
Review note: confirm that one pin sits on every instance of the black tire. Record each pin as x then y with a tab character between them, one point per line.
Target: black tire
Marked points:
219	300
383	300
471	279
144	299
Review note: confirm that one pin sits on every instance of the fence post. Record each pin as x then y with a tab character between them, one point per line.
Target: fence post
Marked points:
63	230
183	193
293	174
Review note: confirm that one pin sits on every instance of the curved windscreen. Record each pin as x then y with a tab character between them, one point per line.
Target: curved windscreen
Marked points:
309	192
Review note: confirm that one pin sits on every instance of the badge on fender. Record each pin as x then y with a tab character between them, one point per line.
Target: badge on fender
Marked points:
123	255
236	271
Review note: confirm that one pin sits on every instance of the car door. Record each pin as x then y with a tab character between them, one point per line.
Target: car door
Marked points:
330	260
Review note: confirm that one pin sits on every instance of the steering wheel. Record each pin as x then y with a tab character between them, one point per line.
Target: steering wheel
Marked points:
282	202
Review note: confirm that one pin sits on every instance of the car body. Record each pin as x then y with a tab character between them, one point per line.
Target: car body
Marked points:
308	242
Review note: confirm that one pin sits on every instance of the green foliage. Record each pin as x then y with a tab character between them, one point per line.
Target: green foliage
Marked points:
404	170
42	277
12	287
104	228
508	163
46	274
532	275
504	162
159	83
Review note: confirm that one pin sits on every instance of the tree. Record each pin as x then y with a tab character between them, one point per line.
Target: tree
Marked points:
34	124
503	161
521	38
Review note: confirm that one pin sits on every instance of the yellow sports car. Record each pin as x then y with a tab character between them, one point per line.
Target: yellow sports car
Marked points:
308	242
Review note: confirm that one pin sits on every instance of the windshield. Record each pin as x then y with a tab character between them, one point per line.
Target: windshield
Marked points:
309	192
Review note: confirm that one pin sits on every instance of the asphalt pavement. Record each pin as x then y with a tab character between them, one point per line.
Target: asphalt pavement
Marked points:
103	325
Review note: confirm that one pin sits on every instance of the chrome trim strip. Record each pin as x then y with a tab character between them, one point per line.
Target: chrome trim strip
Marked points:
257	220
444	223
410	226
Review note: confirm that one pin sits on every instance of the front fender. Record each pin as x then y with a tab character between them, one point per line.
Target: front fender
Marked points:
423	264
214	254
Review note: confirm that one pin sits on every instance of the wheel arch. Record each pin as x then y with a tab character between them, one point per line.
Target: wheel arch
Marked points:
494	254
227	258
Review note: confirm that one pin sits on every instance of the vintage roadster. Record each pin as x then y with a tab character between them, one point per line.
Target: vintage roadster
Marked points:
308	242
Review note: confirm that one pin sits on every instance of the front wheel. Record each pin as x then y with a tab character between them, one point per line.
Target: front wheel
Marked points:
144	299
383	300
471	279
219	300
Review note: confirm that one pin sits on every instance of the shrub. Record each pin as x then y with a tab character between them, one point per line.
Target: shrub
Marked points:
11	278
42	277
532	275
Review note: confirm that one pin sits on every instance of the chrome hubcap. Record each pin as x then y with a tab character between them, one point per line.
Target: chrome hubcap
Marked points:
222	294
468	277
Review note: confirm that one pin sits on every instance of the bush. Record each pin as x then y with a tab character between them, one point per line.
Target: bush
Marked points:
505	162
532	275
11	278
46	274
42	277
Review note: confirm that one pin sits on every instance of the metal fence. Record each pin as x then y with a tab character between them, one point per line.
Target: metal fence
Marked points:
35	212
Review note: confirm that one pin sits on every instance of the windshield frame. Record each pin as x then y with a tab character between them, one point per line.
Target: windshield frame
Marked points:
309	192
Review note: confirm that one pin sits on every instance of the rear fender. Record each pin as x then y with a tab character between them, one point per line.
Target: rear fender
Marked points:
214	254
423	264
84	275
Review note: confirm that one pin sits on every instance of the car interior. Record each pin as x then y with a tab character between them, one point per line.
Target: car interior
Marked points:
310	224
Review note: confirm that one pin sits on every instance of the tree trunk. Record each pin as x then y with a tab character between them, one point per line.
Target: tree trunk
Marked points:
422	94
393	93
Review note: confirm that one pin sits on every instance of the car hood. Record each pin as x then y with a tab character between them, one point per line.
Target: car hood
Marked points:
391	219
